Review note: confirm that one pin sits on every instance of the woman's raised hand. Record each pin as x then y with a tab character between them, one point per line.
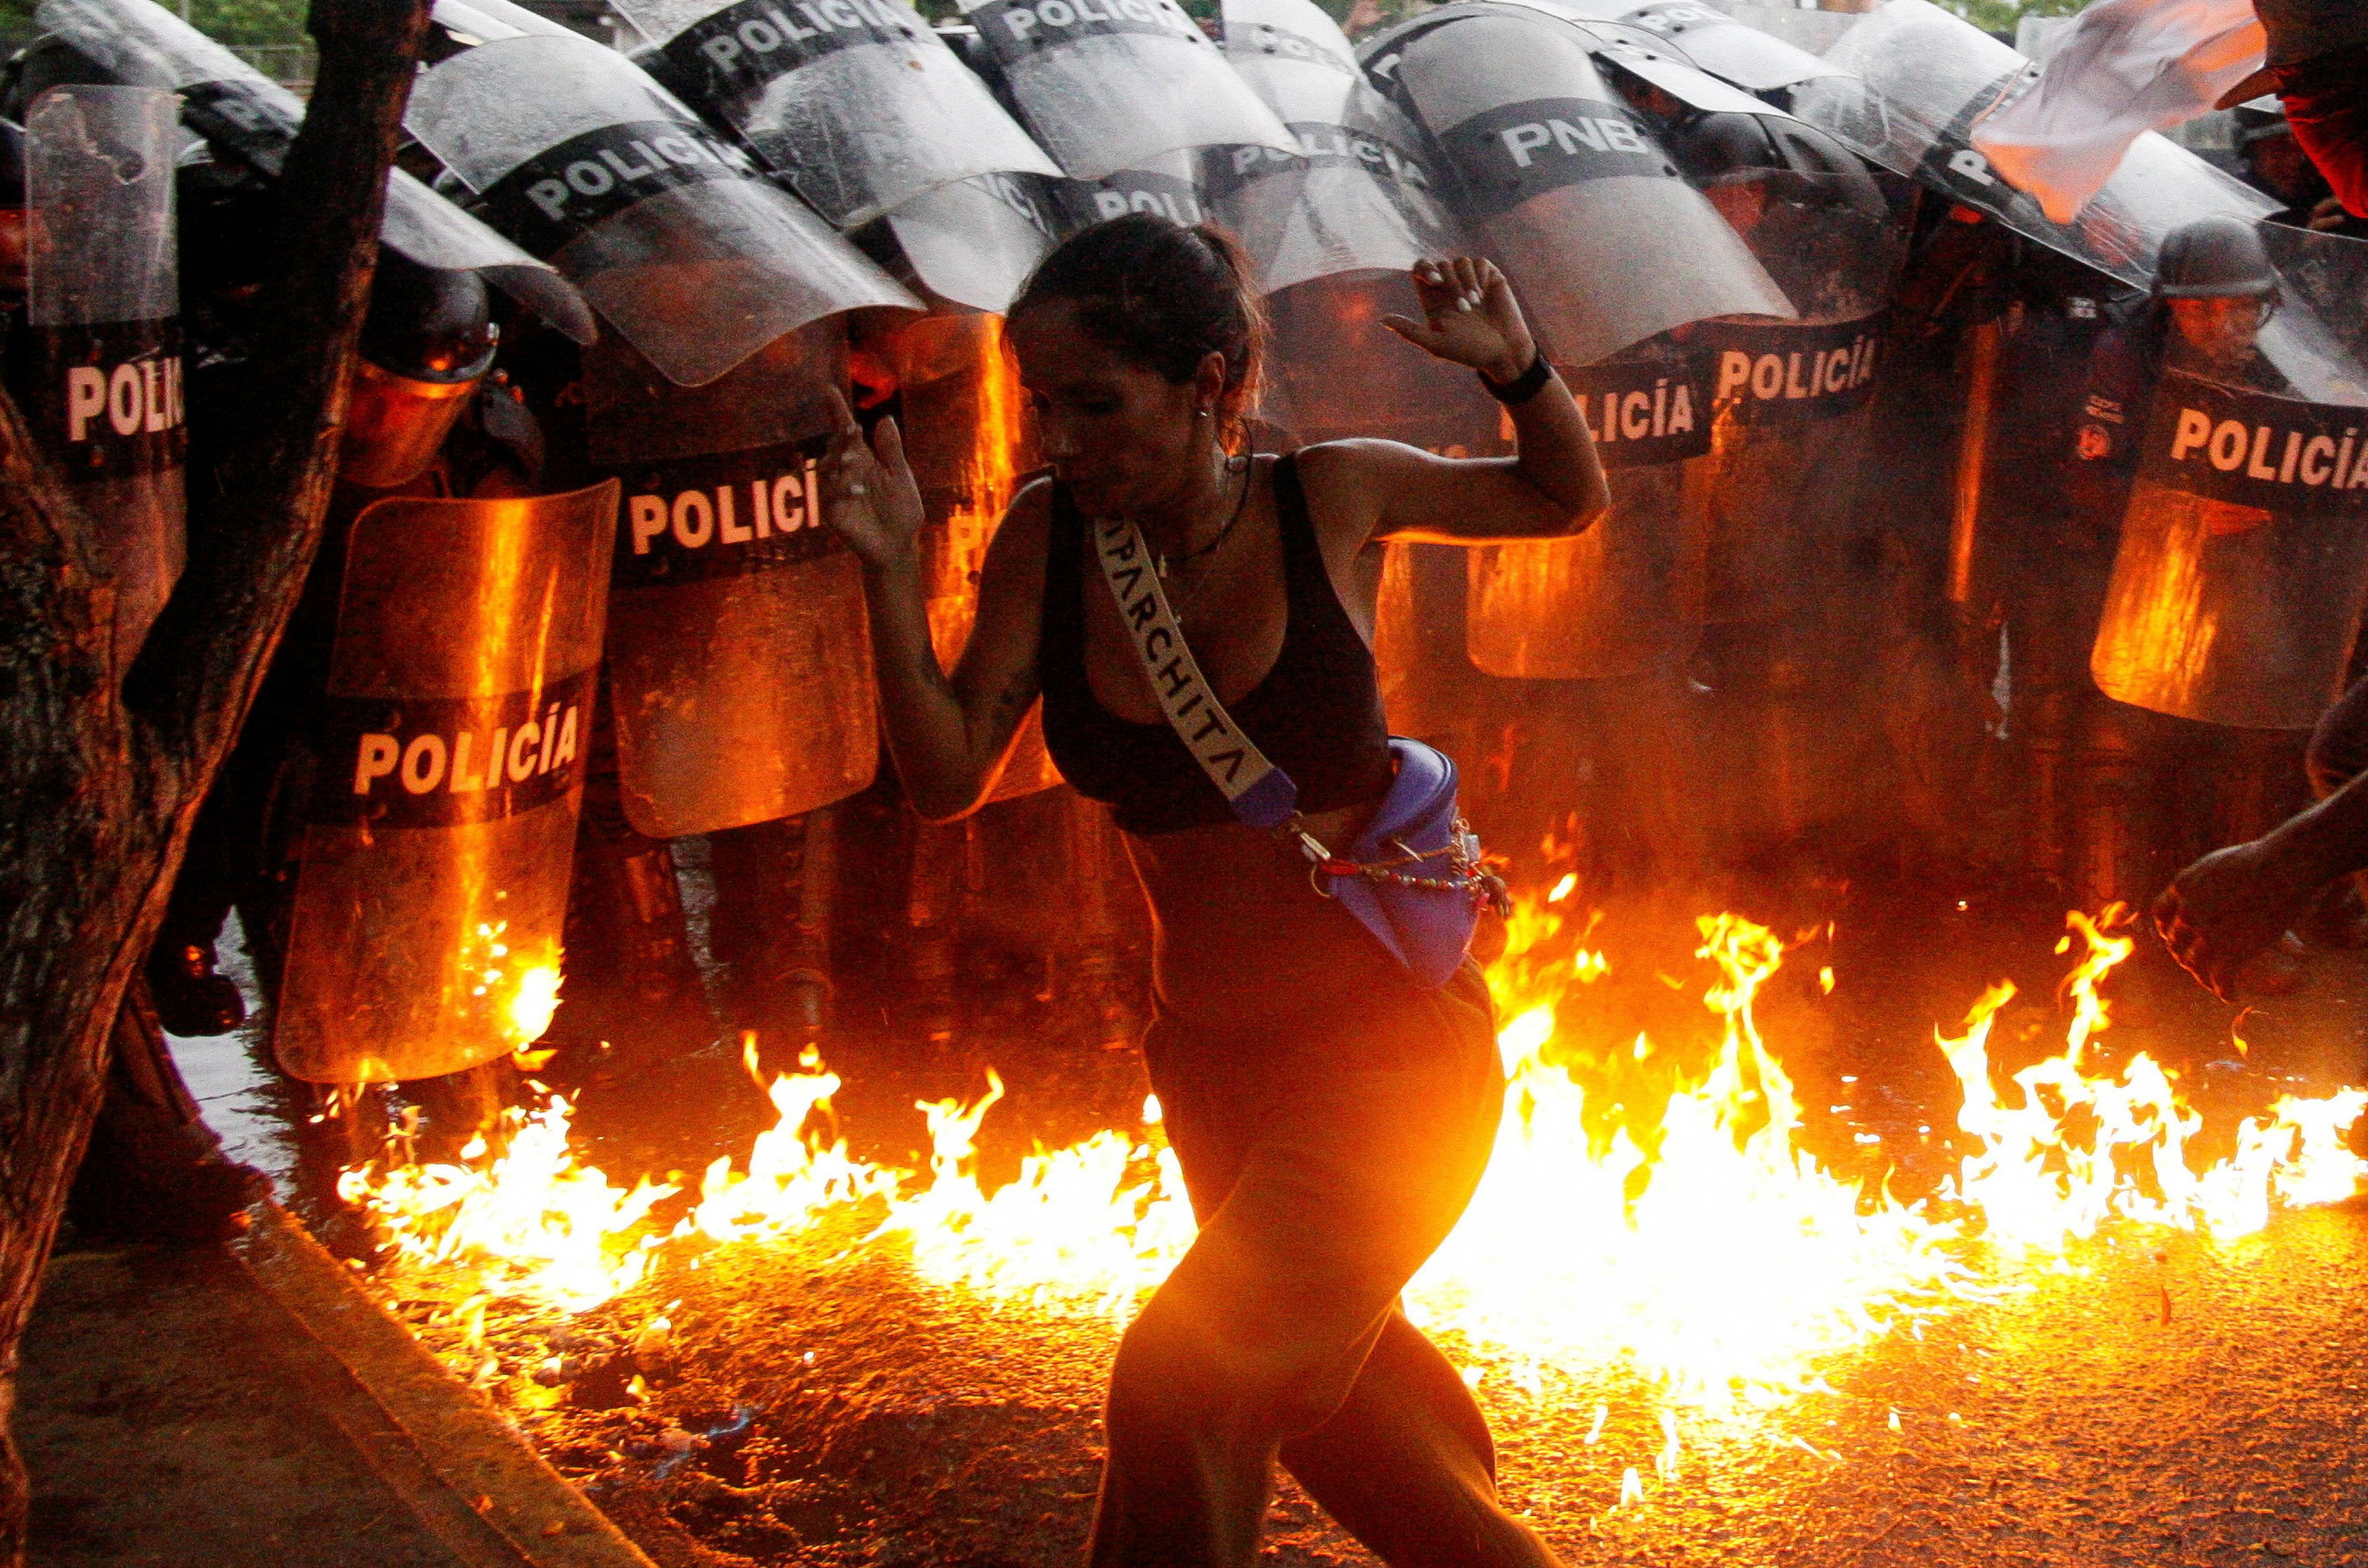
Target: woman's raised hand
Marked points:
1470	317
870	496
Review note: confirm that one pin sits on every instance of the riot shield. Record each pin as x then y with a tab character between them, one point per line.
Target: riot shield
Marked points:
103	301
975	241
1625	596
2243	565
1357	196
1921	78
238	108
1334	372
1728	49
1167	184
425	931
1790	400
662	226
739	659
1107	85
966	437
1567	191
859	104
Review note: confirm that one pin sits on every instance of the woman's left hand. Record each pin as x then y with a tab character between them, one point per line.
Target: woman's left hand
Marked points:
1470	317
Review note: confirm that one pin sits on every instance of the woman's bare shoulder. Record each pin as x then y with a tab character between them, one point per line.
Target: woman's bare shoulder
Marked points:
1347	483
1026	522
1360	462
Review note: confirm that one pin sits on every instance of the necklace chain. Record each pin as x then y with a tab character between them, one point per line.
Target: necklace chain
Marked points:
1241	503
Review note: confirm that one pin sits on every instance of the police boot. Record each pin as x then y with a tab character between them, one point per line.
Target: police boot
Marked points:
1731	671
1798	733
933	898
2116	822
192	997
2043	736
628	949
769	926
459	1108
152	1171
2258	780
1098	994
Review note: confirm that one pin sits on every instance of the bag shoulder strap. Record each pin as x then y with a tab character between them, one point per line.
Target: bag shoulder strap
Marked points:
1261	794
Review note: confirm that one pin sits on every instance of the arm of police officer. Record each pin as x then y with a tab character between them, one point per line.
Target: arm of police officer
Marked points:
1554	486
2229	907
949	735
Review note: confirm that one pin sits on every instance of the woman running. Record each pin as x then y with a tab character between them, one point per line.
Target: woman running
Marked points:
1332	1115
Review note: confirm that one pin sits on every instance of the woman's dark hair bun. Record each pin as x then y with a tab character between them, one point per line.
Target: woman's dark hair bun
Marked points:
1163	295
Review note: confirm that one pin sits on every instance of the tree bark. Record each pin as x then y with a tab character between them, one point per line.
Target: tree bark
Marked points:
98	786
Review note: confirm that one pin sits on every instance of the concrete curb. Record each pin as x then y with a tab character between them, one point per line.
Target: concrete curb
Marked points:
463	1469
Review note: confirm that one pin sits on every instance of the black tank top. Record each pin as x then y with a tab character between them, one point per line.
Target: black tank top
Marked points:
1317	714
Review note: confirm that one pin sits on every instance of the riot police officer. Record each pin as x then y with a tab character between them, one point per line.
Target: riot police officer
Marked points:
2273	163
2116	789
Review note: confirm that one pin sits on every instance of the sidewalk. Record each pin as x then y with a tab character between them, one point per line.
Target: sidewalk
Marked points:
253	1409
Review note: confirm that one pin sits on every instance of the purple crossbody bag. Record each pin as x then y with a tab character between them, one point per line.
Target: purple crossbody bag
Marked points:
1414	879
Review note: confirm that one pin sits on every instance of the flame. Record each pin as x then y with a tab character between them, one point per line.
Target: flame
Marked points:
533	1223
2078	1150
1703	1249
1087	1226
1637	1256
532	1005
791	1177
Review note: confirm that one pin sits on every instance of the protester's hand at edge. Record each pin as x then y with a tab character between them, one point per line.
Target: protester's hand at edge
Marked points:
2231	906
871	496
1470	318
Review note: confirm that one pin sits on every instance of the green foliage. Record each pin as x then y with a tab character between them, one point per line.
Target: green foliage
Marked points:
232	21
251	21
2000	15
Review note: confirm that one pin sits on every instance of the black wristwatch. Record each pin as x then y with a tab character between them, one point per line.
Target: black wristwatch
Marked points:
1523	387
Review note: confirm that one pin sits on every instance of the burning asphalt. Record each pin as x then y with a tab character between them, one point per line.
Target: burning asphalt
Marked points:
1718	1308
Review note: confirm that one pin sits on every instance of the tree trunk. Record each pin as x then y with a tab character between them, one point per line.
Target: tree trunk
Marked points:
98	786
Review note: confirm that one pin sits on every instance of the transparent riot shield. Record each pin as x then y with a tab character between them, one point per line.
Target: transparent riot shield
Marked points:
1167	184
1337	372
1334	371
2243	567
103	301
426	933
1625	596
238	108
975	241
1107	85
859	104
1357	196
739	659
1566	189
1790	400
662	224
966	435
1730	49
1920	78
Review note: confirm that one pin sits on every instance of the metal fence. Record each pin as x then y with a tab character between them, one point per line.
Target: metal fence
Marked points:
290	65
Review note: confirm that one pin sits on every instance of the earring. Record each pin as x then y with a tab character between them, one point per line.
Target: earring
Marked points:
1199	413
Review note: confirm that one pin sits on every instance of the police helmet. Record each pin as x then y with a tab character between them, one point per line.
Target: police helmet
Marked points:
1709	144
427	341
426	323
1714	146
48	62
2211	258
